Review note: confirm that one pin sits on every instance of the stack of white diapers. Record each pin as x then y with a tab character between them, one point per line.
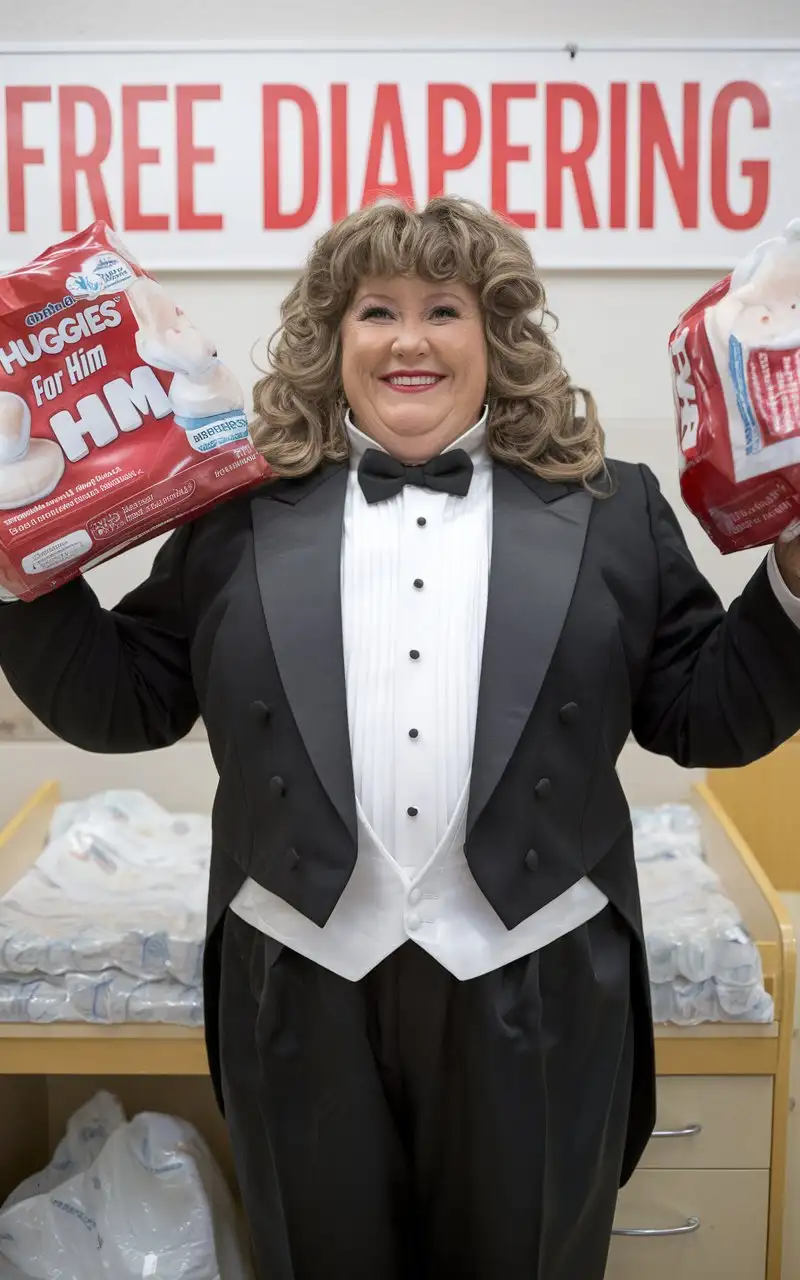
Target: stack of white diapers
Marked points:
109	924
704	966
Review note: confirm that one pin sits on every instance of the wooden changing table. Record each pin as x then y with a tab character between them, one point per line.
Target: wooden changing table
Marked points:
707	1200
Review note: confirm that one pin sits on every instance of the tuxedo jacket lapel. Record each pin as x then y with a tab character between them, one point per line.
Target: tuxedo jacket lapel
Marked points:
297	532
539	530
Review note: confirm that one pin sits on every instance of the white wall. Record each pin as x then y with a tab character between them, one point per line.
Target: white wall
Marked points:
614	326
418	20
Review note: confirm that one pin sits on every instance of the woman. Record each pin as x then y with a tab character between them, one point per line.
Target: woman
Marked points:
418	654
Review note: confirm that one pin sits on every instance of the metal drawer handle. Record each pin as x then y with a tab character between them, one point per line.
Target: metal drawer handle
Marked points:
691	1131
689	1226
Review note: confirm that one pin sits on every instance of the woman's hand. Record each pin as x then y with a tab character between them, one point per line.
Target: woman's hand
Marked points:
787	556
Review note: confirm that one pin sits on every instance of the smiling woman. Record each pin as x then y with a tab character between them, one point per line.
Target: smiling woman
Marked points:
449	294
425	983
414	366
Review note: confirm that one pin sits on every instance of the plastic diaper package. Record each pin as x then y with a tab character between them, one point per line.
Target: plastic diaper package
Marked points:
736	379
117	418
124	1199
108	925
703	964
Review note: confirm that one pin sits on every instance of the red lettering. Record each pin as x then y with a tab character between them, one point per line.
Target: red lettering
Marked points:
441	162
272	97
90	162
504	154
576	159
18	154
618	158
189	155
683	175
135	156
340	196
387	122
756	171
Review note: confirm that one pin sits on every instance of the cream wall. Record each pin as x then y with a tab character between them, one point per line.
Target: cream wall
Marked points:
614	326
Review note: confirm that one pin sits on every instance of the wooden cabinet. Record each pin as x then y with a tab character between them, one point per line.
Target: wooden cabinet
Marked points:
693	1224
699	1204
694	1129
708	1197
707	1200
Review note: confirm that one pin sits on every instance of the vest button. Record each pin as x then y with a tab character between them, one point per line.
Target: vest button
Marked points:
531	860
413	921
543	788
277	787
569	713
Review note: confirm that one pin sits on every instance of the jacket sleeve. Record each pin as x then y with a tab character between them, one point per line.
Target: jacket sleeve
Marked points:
720	689
106	680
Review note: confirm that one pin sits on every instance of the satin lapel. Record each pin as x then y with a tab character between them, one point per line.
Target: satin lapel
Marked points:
539	530
297	531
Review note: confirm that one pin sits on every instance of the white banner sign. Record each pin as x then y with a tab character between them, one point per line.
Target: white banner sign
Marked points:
238	159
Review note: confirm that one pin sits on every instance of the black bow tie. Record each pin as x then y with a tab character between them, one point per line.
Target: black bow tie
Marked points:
382	476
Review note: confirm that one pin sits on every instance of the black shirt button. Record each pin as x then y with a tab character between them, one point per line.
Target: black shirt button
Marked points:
277	787
261	710
413	653
569	713
419	584
531	859
293	858
421	521
543	788
411	811
413	733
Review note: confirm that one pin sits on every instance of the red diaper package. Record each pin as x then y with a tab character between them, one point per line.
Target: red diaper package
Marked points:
117	419
736	377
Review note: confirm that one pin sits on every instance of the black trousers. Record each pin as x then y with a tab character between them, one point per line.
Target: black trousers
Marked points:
412	1127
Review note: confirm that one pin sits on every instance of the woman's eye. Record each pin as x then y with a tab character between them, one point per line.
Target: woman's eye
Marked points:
375	313
444	313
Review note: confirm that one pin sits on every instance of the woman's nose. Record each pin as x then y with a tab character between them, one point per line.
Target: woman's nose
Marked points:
410	340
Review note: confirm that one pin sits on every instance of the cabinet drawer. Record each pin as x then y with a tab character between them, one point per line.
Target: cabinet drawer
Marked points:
730	1242
717	1122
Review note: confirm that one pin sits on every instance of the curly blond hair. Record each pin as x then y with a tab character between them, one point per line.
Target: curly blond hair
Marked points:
532	412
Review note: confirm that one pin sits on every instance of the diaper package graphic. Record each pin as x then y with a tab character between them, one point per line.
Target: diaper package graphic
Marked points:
117	418
736	378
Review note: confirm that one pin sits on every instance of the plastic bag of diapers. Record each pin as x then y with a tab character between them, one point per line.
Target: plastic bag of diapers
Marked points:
736	378
123	1200
117	418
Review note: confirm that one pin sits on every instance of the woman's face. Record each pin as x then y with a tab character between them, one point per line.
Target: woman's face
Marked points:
414	364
